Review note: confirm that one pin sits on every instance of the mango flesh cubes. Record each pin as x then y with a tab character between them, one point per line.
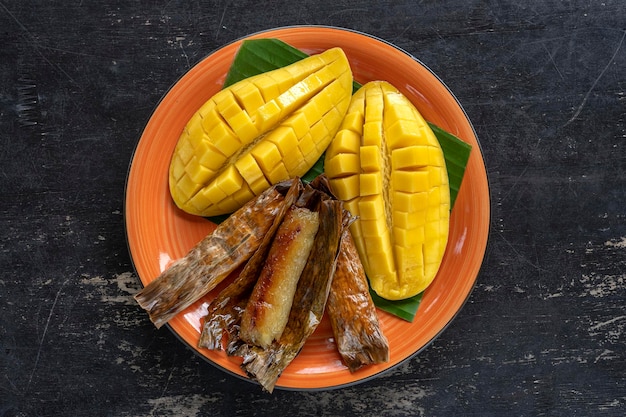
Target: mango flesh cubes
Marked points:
388	167
258	132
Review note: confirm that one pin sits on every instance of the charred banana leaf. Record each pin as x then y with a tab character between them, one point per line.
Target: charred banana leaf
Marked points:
230	245
224	312
266	365
267	311
359	338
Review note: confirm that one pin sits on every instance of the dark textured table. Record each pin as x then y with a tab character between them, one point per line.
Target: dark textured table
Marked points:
544	331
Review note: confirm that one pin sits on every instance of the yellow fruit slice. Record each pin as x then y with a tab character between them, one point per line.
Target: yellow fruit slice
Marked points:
386	164
258	132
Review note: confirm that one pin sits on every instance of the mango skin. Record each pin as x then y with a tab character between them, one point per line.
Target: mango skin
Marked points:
386	164
258	132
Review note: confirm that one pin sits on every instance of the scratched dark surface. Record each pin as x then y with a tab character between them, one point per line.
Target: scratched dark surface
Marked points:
544	331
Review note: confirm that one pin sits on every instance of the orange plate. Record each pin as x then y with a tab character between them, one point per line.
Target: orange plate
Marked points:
159	233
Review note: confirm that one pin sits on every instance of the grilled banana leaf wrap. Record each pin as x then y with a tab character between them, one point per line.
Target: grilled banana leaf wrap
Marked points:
224	312
359	339
266	364
353	317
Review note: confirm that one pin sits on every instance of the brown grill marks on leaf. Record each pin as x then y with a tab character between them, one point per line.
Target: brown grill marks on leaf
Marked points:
352	313
268	309
266	365
224	312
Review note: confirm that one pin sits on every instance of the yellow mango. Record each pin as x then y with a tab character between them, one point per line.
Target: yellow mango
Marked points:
386	164
259	131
